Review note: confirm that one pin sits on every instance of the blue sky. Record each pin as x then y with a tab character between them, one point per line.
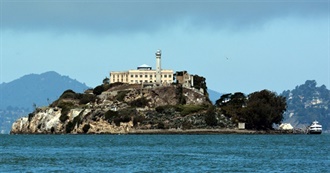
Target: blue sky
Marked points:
243	45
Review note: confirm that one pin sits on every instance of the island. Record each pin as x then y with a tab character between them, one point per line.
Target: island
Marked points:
147	101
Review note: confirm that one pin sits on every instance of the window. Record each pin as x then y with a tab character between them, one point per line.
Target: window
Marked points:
146	81
132	76
169	75
140	75
136	75
165	76
150	76
146	75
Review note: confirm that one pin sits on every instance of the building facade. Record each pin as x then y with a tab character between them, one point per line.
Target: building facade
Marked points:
140	76
184	78
144	74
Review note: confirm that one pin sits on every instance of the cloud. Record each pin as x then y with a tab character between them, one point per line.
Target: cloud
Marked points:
148	16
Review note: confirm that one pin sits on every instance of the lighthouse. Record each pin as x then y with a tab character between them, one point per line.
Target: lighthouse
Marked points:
158	67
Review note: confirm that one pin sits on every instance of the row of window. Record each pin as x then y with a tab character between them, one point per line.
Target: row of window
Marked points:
141	76
146	81
138	81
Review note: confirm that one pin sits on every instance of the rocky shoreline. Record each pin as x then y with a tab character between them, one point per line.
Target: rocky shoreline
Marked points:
208	131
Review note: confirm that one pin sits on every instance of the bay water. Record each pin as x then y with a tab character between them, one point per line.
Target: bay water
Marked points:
165	153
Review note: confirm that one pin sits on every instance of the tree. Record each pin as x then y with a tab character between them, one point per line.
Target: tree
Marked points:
106	81
231	105
263	109
210	118
98	90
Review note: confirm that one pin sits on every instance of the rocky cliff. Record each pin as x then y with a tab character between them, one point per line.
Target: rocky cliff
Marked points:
121	108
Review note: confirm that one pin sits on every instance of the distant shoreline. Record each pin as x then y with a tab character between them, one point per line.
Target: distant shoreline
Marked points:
208	131
178	132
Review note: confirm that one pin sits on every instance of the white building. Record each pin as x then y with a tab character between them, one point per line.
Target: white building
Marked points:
144	74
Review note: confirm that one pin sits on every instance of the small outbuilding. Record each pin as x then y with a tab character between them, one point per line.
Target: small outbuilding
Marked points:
241	126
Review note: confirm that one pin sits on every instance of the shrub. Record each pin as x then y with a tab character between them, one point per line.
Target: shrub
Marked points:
52	130
31	115
188	109
62	104
68	94
110	115
137	119
127	111
140	102
161	125
66	107
117	121
166	108
69	127
125	119
186	125
115	84
210	118
86	98
98	90
121	95
77	120
86	128
64	117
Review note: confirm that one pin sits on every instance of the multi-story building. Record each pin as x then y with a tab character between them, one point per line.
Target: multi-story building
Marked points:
144	74
184	78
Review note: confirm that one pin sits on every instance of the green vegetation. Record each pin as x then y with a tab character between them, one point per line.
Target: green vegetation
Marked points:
98	90
260	110
68	94
66	107
69	127
179	95
86	98
110	115
167	108
140	102
200	83
188	109
182	109
86	128
105	86
308	102
210	118
121	95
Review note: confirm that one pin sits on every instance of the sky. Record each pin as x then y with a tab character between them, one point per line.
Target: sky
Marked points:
237	45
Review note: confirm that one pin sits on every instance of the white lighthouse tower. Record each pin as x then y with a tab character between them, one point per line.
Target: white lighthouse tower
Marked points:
158	67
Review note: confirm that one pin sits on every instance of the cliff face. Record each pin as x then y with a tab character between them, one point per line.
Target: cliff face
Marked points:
119	109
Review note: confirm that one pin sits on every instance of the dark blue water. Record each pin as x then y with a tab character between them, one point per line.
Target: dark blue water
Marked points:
165	153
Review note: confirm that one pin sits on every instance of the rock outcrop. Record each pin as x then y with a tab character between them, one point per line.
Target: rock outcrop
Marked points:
120	109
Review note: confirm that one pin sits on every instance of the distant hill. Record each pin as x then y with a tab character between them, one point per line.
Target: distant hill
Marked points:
17	98
213	95
36	89
307	103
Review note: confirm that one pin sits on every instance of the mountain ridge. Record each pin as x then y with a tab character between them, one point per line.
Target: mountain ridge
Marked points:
20	96
38	89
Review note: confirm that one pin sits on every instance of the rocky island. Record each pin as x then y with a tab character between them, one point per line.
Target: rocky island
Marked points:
153	101
124	108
